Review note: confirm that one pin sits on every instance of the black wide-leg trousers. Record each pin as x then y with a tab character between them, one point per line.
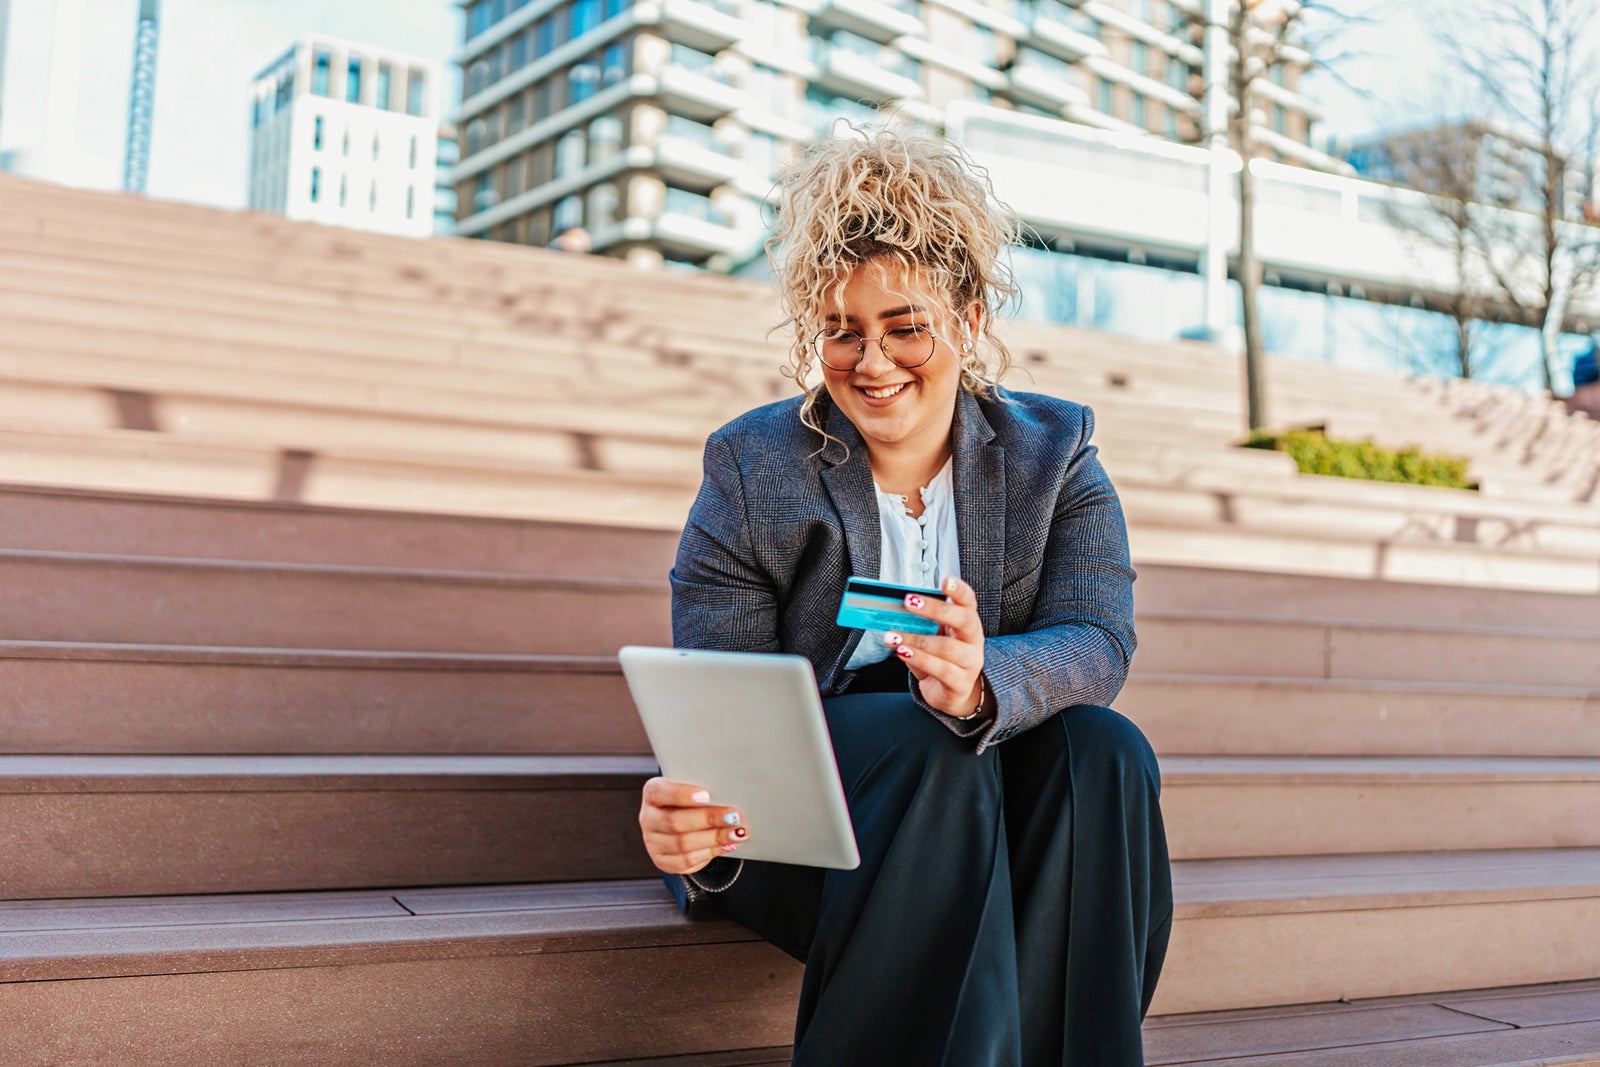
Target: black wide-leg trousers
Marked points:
1011	909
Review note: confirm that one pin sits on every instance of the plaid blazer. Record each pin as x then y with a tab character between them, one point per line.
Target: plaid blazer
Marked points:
778	526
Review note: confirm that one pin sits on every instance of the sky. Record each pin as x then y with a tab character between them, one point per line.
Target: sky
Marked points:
211	49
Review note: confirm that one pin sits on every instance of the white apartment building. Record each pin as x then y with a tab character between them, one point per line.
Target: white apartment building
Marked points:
65	67
347	134
658	124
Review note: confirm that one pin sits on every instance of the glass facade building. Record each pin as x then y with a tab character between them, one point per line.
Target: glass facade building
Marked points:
659	125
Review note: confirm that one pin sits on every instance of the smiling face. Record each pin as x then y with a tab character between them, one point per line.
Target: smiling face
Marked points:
903	413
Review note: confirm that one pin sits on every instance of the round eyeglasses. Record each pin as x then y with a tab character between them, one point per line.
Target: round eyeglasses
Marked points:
905	346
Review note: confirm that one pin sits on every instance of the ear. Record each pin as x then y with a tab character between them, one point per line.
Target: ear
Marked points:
974	320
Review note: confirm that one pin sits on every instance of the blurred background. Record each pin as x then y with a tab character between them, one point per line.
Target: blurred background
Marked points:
657	127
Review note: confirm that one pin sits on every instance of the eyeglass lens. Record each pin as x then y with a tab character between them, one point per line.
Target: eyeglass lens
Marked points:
905	346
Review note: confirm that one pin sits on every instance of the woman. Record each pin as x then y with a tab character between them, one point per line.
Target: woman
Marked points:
1013	901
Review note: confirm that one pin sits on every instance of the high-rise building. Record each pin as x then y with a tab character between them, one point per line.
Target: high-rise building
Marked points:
658	125
347	134
65	71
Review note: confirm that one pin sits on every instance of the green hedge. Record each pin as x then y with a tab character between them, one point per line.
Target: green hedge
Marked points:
1314	454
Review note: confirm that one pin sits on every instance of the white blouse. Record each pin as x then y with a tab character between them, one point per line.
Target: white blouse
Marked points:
918	551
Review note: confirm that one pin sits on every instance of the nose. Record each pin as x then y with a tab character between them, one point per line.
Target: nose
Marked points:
874	360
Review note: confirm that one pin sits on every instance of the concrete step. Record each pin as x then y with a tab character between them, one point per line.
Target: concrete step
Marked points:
593	972
68	698
1529	1025
52	519
1288	645
155	699
1197	714
131	825
60	596
1205	588
84	826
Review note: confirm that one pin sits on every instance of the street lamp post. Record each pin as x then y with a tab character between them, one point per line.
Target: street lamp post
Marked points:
1219	174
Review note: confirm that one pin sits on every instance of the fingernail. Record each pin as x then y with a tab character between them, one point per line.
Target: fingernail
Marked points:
949	585
913	600
729	847
891	639
730	819
741	833
904	651
701	797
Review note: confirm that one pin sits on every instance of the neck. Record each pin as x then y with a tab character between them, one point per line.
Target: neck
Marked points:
904	471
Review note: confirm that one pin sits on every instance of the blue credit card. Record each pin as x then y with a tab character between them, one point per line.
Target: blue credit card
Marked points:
874	605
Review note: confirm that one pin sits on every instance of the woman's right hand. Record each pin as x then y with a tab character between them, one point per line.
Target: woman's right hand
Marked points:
683	830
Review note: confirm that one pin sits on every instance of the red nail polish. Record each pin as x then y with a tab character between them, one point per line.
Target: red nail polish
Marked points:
913	601
741	833
904	651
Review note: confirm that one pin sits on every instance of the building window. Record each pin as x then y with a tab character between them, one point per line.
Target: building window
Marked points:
545	36
478	20
316	134
1279	118
319	73
605	138
413	156
477	77
521	46
344	144
483	196
585	16
352	81
582	81
316	184
372	197
343	188
1140	58
569	214
543	99
613	8
385	77
411	201
374	146
477	136
603	203
1137	115
515	117
418	84
569	154
614	67
1108	101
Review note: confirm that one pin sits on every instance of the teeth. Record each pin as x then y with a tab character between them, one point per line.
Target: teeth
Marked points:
886	391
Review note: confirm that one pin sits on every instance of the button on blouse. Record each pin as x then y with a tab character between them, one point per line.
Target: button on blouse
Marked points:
920	550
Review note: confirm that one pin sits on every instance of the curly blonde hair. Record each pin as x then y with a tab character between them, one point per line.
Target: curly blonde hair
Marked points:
913	199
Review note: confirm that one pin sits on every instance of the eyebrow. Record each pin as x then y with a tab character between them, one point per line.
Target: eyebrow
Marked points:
892	313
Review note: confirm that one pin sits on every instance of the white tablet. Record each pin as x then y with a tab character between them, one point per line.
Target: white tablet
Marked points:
749	727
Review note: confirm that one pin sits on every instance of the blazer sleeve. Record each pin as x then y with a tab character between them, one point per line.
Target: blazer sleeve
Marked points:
721	597
1080	638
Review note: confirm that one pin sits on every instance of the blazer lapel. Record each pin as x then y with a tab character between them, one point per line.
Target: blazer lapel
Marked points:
847	477
980	486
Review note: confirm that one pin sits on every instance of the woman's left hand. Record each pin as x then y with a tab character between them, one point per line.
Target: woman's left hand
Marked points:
948	665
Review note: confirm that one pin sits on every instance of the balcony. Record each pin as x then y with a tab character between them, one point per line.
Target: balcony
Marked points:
875	20
1043	89
693	94
681	162
1062	41
697	23
849	74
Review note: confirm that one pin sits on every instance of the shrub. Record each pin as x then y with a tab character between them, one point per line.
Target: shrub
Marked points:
1314	453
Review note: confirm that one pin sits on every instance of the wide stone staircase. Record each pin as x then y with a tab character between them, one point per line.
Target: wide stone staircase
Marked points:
317	547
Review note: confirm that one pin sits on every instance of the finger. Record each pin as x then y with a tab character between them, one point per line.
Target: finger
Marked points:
691	863
692	843
956	680
963	653
664	793
688	820
962	620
